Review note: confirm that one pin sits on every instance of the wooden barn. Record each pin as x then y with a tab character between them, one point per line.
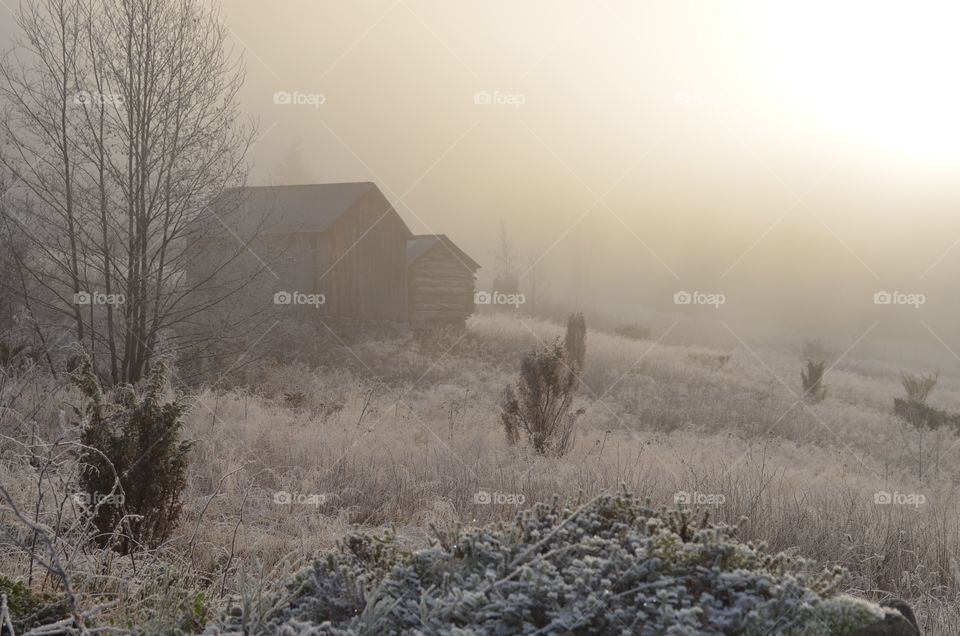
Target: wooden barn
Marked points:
441	281
343	241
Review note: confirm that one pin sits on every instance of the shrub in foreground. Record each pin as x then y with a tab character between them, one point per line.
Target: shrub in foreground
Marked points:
134	462
26	609
610	566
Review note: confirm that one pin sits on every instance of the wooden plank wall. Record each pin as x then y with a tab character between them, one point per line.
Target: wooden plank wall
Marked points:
441	289
368	245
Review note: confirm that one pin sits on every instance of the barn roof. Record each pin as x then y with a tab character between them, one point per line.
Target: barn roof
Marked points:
288	209
422	243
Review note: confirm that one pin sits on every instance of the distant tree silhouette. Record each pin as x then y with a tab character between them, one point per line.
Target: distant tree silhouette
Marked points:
576	340
293	170
505	279
812	377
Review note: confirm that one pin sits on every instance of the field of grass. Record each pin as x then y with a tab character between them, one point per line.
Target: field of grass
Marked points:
408	434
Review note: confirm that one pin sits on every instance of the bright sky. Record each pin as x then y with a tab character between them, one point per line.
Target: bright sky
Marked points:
795	155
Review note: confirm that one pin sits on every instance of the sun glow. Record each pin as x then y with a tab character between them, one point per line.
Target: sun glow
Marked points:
880	73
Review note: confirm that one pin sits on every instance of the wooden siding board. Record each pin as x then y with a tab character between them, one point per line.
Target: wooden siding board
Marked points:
441	289
358	263
369	281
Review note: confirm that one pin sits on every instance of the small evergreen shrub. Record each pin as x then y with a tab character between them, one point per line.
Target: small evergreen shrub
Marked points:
28	609
538	408
812	378
918	387
922	416
134	463
914	410
815	355
610	566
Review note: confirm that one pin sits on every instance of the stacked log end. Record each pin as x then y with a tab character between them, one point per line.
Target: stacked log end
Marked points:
441	291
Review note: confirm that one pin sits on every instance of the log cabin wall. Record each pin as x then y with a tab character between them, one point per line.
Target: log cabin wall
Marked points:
441	289
345	241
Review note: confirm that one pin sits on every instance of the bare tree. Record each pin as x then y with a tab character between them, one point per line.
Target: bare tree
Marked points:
9	296
505	279
122	124
535	283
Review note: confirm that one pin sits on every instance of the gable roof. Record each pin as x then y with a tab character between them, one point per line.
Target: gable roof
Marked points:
422	243
288	209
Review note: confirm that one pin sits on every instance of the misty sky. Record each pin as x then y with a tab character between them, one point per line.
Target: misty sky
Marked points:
797	157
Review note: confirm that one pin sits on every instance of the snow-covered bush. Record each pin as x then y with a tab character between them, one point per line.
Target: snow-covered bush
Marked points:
610	566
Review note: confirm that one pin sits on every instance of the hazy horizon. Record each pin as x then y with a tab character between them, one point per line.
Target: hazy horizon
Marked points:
797	160
766	154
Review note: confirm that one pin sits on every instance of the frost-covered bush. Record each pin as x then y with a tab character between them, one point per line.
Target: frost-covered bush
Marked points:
609	566
134	462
